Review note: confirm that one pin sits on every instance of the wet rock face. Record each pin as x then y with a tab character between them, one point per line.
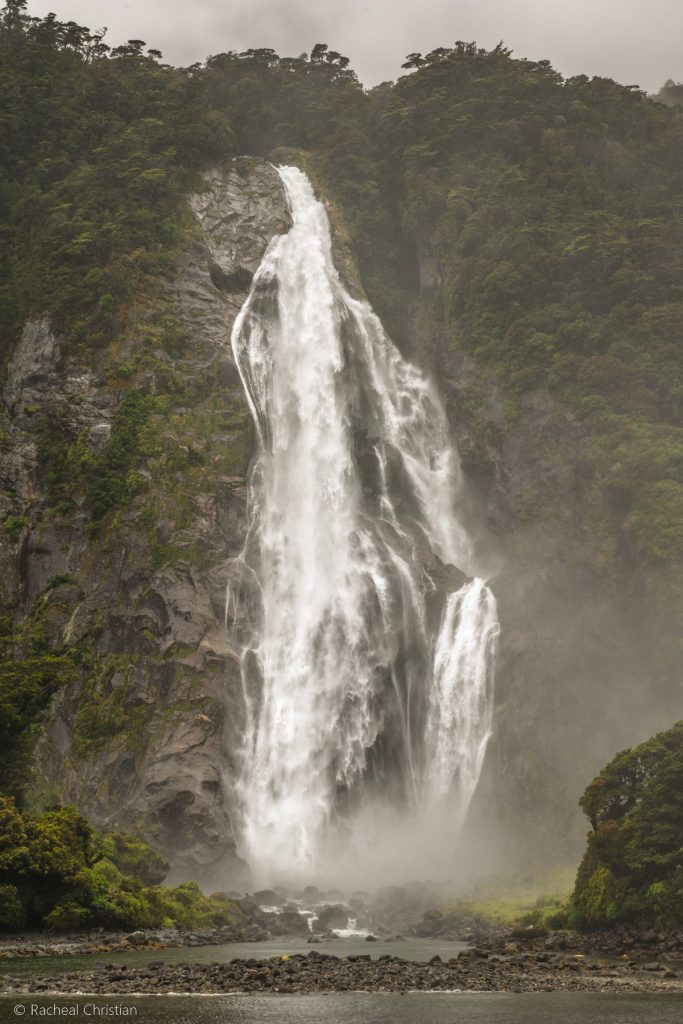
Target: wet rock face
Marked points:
578	640
32	366
240	210
146	739
331	917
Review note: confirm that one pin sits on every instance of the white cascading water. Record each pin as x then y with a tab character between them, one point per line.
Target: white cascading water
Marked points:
368	680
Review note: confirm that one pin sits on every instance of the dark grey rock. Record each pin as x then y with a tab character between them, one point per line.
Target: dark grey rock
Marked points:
335	916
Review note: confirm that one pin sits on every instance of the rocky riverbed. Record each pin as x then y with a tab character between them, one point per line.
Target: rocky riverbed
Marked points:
477	970
39	944
625	943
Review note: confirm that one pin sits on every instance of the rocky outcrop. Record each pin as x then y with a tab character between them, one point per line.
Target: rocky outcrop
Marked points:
32	367
141	738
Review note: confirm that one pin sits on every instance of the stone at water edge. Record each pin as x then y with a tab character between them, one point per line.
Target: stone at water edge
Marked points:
335	916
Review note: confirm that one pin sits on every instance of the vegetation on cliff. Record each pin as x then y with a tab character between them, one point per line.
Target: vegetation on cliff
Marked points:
553	210
29	675
98	149
633	866
56	872
551	206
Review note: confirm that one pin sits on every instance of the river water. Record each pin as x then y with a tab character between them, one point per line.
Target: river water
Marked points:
407	949
359	1008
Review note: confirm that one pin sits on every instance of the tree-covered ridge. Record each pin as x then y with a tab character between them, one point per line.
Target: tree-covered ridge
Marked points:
552	203
633	867
554	209
97	149
555	205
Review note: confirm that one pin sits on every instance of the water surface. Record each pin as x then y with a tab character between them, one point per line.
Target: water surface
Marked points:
408	949
421	1008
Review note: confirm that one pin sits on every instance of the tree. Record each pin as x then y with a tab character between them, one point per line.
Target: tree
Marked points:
318	52
414	60
633	865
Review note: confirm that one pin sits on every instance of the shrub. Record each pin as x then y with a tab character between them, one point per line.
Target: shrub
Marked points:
13	526
132	857
12	915
56	872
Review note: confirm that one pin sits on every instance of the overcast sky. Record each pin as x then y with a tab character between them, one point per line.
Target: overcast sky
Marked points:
634	41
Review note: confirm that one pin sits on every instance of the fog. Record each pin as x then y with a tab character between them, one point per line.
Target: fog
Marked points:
631	41
389	845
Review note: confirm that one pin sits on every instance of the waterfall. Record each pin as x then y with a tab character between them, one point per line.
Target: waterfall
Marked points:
364	684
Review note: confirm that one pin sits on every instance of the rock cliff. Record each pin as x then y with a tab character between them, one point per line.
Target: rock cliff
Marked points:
123	496
577	676
140	739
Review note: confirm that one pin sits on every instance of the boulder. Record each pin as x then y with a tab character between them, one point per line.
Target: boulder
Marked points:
335	916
